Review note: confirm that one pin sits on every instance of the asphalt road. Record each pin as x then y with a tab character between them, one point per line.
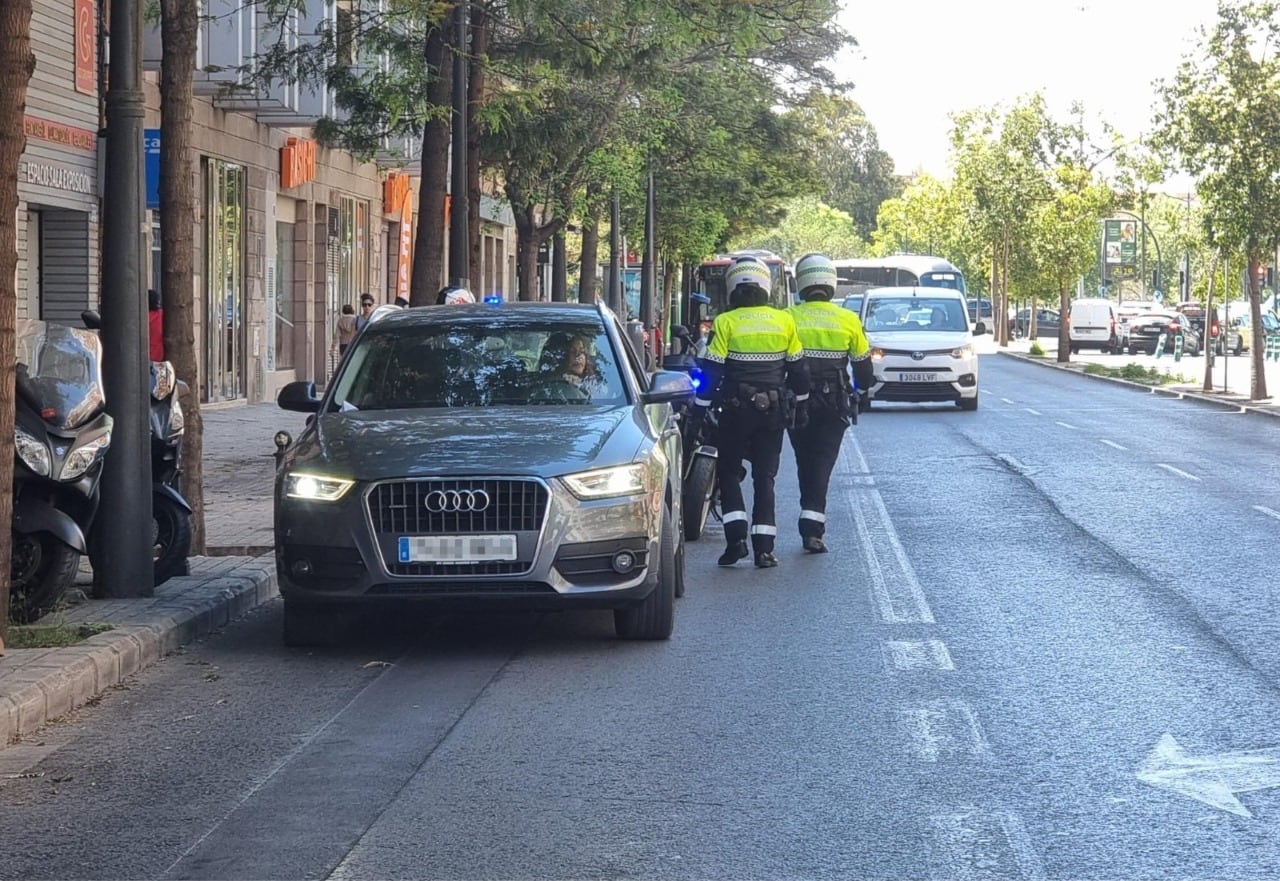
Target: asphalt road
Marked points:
1043	647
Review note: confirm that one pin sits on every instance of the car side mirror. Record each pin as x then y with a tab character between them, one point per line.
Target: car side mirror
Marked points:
669	387
980	328
299	396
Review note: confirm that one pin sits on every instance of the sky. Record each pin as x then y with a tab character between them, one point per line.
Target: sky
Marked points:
920	60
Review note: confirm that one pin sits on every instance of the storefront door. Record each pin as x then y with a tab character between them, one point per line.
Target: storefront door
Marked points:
224	343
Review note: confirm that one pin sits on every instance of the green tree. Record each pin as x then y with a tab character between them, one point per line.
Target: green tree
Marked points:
811	226
1221	119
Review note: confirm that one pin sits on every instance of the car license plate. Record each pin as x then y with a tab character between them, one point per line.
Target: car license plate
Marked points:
918	377
456	548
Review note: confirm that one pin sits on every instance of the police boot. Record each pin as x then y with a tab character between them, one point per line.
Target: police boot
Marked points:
812	526
736	550
762	544
814	545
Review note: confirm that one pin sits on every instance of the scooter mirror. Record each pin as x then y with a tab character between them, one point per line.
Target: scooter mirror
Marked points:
91	319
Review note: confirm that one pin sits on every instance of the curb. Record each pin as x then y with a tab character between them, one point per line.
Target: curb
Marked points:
38	686
1236	404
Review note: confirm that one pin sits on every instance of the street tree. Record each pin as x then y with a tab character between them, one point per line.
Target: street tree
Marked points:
179	32
813	226
1221	120
17	63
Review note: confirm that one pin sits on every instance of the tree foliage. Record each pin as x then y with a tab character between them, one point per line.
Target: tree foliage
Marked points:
1221	120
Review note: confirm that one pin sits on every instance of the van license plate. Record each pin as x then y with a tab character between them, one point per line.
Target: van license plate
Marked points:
456	548
918	377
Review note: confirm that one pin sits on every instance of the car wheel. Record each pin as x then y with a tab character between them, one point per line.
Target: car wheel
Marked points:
654	616
1075	350
1239	345
679	573
968	403
309	624
699	487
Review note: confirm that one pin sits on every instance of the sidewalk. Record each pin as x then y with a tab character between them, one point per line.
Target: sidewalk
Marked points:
1231	378
40	685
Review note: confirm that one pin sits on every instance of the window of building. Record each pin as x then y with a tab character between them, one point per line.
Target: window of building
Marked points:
283	297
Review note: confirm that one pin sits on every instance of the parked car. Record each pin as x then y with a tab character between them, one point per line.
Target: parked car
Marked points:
1127	309
1092	324
1047	324
980	311
853	303
1145	331
509	456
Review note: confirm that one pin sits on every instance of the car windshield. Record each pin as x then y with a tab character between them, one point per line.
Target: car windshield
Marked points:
915	314
476	364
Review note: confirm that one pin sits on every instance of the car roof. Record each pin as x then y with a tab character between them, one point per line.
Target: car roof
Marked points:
494	313
914	291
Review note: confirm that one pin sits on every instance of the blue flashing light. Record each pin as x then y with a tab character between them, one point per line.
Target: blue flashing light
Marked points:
493	299
697	377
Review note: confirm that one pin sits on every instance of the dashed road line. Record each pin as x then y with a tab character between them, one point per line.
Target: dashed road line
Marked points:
1006	401
1033	412
1113	444
1268	511
1067	425
982	846
910	655
1177	471
939	730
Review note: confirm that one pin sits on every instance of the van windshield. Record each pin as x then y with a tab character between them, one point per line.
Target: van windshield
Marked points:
887	314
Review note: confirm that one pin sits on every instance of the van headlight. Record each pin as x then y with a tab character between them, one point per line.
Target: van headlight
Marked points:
32	452
964	352
316	488
607	483
877	354
83	457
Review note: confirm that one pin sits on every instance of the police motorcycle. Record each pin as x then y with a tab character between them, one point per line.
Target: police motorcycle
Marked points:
61	436
170	512
700	492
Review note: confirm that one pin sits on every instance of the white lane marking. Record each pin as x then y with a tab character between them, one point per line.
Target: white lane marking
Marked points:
918	654
1214	779
1265	510
1006	401
935	730
1033	412
895	588
982	846
1177	471
1067	425
1113	444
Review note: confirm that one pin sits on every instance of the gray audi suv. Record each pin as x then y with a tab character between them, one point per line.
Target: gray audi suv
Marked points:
509	455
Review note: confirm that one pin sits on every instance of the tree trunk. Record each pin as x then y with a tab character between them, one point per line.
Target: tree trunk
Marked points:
179	23
17	62
428	246
559	268
480	32
1258	366
587	284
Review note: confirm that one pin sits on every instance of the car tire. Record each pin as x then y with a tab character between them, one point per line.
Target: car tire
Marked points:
310	624
968	403
654	616
1239	348
697	494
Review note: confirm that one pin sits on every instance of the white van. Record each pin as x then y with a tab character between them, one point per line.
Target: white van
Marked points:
1092	324
921	346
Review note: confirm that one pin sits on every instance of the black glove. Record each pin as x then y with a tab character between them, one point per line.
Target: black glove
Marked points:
802	414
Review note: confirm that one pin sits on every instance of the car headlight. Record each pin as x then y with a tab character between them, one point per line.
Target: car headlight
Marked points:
34	454
606	483
83	457
316	488
877	354
962	352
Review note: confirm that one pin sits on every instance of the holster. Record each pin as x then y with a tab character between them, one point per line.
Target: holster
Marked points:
834	394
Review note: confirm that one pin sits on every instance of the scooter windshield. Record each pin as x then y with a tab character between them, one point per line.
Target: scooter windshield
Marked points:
59	372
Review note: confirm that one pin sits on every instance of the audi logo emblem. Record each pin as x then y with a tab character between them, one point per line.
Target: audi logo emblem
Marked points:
456	501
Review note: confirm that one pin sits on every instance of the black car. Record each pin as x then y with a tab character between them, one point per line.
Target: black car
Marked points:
1145	331
1048	322
494	456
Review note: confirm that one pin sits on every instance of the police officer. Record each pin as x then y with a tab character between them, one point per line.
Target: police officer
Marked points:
756	371
833	339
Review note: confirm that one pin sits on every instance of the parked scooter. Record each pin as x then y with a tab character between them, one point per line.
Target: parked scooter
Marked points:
170	512
700	492
61	437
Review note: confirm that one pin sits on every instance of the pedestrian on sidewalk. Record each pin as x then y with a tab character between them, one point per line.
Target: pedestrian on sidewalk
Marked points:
345	331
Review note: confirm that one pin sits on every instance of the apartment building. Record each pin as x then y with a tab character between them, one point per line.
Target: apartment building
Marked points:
286	231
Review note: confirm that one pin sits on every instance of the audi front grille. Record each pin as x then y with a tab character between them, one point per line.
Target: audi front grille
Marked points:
401	508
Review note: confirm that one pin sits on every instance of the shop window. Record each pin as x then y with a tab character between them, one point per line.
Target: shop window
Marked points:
283	298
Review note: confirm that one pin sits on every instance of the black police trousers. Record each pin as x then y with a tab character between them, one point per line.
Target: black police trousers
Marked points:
817	446
747	433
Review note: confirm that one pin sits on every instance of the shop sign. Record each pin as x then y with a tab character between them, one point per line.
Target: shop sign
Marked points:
58	133
86	47
59	177
404	257
297	162
395	190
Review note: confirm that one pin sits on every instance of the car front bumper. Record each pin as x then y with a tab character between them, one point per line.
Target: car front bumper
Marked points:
935	378
571	553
